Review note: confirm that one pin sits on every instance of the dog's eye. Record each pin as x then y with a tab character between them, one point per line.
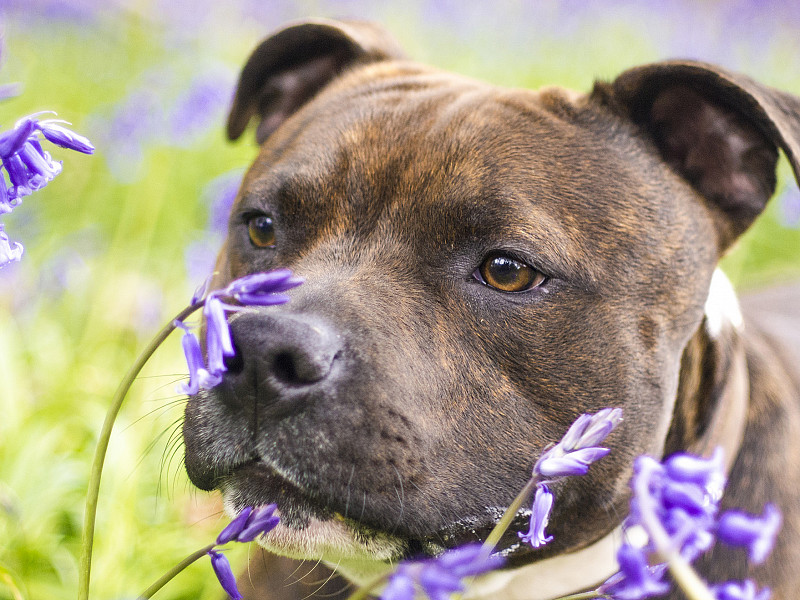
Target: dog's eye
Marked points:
261	230
507	274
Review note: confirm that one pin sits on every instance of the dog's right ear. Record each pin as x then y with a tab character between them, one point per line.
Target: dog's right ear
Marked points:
288	68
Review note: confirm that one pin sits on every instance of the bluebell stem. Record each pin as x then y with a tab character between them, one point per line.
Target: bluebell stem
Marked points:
258	289
439	577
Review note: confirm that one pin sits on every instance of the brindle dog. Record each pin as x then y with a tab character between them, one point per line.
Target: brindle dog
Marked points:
483	265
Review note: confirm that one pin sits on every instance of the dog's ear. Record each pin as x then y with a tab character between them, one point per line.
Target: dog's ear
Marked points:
288	68
719	130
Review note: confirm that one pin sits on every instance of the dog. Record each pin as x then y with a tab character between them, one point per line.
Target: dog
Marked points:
482	265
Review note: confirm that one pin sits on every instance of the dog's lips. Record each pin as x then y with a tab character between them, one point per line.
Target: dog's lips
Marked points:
254	483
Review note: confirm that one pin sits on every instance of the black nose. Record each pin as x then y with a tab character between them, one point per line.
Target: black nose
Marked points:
280	358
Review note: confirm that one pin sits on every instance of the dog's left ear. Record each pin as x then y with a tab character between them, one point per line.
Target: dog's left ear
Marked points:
288	68
719	130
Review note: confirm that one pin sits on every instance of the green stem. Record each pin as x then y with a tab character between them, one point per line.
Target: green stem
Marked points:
508	517
363	592
87	542
168	576
583	596
688	579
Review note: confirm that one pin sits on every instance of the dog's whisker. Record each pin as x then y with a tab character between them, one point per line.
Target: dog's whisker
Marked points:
349	483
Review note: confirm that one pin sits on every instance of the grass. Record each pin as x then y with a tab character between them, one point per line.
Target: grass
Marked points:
104	268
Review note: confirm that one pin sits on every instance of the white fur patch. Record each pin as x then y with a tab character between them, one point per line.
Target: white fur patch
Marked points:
359	558
722	306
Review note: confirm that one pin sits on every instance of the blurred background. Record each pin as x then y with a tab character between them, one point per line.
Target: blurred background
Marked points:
118	242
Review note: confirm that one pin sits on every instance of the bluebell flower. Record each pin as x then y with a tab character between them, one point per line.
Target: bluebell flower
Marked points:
245	527
572	455
734	590
578	448
224	573
542	505
258	289
636	578
198	375
676	504
56	133
439	577
201	106
262	289
29	167
737	528
260	522
9	251
8	90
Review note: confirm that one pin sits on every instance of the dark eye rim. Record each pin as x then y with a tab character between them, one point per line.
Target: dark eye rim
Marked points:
248	219
540	279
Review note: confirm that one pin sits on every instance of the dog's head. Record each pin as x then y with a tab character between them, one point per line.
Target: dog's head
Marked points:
481	266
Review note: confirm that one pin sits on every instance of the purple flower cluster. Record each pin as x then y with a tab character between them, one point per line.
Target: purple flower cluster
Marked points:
258	289
571	456
676	504
247	526
29	167
439	577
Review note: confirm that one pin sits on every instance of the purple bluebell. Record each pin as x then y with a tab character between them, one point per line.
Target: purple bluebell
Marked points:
9	90
735	590
222	569
790	207
198	375
737	528
29	167
263	289
578	448
9	251
12	141
676	504
257	289
439	577
234	528
260	521
542	505
56	133
200	106
708	473
400	586
636	579
572	455
218	335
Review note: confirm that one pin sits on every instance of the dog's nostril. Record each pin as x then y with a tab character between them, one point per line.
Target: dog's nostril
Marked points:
285	369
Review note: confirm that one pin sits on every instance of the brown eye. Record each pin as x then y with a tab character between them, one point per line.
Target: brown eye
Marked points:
506	274
261	231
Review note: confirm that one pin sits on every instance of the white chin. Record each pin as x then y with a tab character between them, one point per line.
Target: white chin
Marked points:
361	558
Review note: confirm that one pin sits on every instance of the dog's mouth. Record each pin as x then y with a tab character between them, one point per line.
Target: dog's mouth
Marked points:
311	526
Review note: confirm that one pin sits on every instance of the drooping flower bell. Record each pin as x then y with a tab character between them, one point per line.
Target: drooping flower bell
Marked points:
257	289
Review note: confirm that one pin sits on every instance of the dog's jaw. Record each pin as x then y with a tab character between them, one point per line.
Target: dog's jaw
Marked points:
335	541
